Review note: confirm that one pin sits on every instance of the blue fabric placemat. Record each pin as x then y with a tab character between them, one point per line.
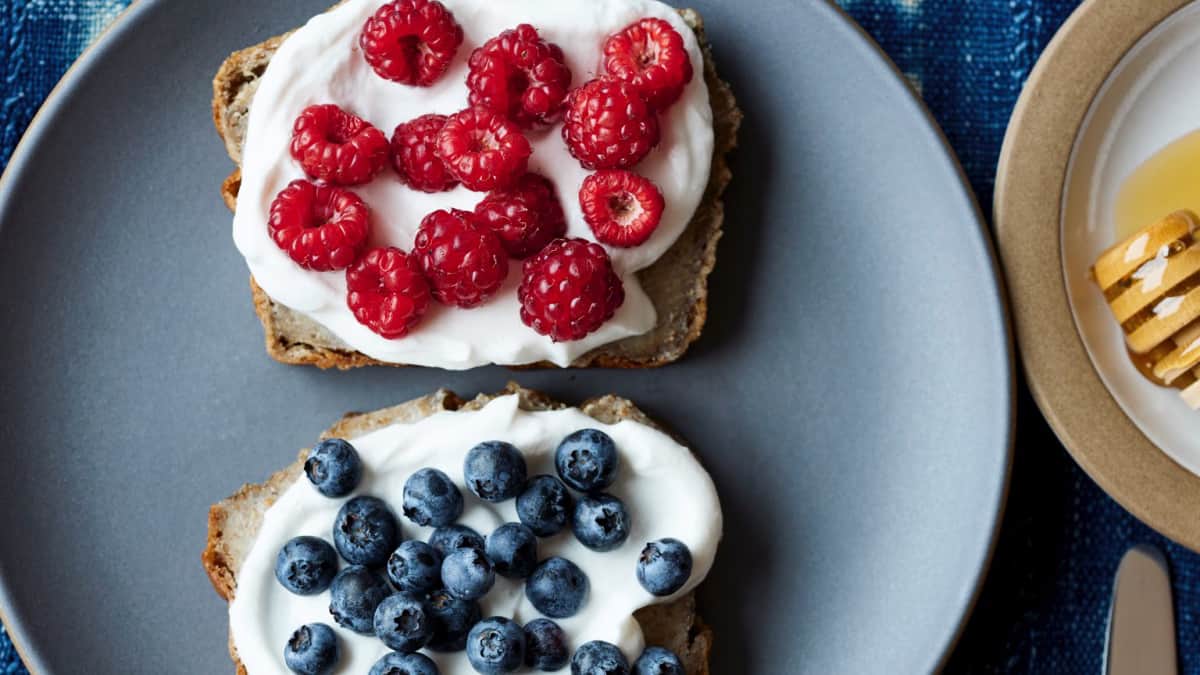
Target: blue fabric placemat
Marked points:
1044	605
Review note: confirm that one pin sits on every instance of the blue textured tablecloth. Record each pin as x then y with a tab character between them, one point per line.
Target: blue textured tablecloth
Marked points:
1044	605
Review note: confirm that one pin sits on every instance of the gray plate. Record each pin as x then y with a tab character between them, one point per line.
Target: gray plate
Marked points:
851	394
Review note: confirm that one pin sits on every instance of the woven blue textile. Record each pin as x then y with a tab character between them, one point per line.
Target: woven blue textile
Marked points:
1044	605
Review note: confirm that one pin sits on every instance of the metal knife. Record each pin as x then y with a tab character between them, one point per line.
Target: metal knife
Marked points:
1141	623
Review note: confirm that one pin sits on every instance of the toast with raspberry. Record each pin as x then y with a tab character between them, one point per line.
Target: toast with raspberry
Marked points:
233	523
677	283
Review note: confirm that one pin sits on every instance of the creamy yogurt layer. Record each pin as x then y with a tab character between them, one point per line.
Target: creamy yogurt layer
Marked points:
667	493
322	63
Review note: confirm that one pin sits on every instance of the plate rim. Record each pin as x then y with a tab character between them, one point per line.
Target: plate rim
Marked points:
128	19
1036	153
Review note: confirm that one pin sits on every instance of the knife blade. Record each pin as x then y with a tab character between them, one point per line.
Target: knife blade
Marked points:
1141	623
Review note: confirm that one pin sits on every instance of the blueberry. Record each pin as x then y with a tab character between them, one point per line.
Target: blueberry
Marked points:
431	499
452	620
512	548
664	566
404	664
495	471
546	645
365	532
334	467
467	574
557	588
599	658
448	539
306	565
496	645
600	523
353	596
402	624
658	661
415	567
312	650
545	505
587	460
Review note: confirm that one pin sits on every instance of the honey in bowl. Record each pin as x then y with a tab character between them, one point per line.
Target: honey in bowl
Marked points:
1151	279
1169	181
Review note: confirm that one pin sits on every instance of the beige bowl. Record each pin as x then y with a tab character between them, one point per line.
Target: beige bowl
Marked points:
1092	109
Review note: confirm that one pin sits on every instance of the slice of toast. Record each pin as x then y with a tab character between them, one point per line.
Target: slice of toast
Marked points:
233	523
677	283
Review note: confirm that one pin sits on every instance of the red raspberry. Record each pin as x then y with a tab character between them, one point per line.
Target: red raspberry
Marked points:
609	126
520	75
321	227
526	217
569	290
484	150
465	263
386	291
622	208
336	147
414	155
411	41
649	54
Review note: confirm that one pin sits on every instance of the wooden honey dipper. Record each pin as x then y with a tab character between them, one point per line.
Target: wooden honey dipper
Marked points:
1152	284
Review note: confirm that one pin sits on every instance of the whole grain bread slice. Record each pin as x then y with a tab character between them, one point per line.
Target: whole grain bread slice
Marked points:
233	523
677	283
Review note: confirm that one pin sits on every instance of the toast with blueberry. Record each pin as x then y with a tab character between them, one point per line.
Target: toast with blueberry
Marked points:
233	523
677	283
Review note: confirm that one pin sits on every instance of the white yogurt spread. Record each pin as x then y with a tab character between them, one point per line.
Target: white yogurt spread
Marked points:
666	491
322	63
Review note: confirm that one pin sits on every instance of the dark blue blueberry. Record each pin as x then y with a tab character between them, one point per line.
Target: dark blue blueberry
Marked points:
512	548
601	522
557	588
546	645
431	499
306	565
545	505
402	623
587	460
658	661
664	567
495	471
415	567
353	596
334	467
467	574
452	620
599	658
496	645
312	650
404	664
365	532
448	539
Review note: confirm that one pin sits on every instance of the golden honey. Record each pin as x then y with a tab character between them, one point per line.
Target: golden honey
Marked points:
1169	181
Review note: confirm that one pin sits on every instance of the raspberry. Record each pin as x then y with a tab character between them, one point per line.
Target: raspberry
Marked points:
621	207
386	291
336	147
411	41
414	155
483	150
526	217
520	75
465	263
321	227
609	126
649	54
569	290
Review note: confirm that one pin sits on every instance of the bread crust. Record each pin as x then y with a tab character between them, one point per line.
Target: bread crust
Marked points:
233	523
677	283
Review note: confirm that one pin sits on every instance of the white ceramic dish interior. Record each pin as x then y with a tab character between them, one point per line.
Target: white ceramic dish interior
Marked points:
1148	101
